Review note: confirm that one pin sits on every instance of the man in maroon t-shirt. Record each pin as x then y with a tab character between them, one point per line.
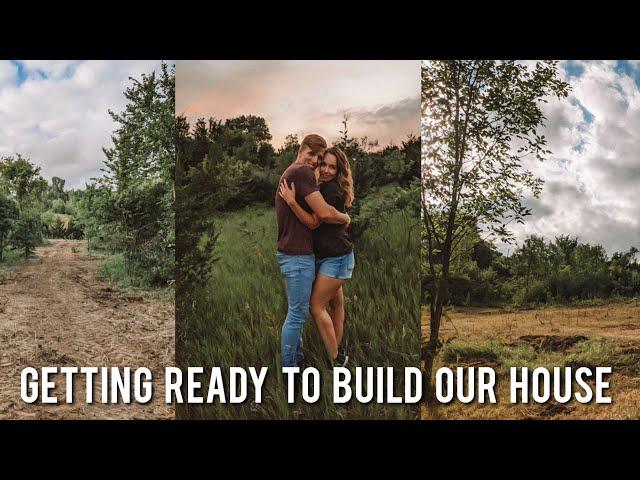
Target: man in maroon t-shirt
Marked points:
295	245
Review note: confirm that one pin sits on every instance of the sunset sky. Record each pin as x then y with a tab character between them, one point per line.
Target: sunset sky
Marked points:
382	98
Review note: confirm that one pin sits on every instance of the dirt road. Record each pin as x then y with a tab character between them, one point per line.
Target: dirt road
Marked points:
56	311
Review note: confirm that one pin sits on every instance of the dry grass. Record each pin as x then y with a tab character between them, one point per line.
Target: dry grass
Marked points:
601	335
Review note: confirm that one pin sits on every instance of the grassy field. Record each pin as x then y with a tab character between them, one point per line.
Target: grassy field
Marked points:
597	335
236	319
113	268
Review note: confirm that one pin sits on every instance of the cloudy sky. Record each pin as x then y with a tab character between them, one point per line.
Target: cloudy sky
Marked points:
55	112
382	98
592	179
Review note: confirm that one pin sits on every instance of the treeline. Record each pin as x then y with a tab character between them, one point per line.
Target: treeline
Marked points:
31	208
539	272
227	165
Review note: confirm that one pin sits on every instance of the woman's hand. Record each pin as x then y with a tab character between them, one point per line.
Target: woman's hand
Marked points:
287	194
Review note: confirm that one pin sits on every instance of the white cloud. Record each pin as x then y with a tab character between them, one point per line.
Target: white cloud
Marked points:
8	73
61	121
592	179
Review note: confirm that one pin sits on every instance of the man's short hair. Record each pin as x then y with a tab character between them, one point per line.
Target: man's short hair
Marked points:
316	143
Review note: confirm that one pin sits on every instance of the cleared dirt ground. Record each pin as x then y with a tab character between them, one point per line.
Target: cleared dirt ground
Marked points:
602	335
56	311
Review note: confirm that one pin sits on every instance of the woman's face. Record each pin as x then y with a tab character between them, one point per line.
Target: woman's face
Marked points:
328	167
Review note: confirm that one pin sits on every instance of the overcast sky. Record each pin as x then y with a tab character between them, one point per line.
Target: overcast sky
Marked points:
302	97
592	179
55	112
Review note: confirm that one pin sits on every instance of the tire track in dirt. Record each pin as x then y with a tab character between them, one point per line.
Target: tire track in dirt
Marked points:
56	311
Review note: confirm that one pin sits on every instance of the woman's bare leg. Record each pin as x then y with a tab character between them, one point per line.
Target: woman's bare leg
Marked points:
337	314
324	289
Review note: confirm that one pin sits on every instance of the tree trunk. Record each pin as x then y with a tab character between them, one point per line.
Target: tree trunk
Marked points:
433	344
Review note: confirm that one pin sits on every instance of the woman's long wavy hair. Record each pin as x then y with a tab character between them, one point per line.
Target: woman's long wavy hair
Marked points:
344	176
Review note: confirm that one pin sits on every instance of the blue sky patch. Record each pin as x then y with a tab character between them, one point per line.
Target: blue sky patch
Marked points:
573	68
24	73
623	67
587	116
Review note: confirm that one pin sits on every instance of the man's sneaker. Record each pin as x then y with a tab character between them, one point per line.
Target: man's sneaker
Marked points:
342	359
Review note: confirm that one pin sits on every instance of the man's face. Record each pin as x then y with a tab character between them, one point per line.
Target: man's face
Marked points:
311	158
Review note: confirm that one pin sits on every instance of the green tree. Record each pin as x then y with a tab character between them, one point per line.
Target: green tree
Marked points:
479	119
132	205
21	179
56	191
8	216
27	232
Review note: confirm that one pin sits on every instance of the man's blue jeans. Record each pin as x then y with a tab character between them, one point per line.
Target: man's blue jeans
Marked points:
299	272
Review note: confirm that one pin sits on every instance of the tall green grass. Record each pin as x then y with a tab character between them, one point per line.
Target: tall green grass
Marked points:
235	319
113	267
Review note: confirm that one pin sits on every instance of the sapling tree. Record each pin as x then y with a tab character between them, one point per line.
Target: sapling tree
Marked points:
8	216
480	119
27	232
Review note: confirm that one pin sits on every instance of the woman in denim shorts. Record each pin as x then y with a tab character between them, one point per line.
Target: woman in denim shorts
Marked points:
332	248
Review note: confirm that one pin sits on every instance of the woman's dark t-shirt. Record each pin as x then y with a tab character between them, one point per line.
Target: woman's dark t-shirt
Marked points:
330	240
294	237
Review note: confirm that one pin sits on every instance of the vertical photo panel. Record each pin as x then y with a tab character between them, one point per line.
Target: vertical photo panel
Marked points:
530	236
87	160
298	233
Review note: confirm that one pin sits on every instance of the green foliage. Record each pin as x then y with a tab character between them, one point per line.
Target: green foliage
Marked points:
539	272
8	216
22	191
21	183
53	225
56	191
58	206
27	232
20	179
592	351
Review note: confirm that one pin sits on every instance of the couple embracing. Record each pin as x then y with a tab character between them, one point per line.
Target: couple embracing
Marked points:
314	251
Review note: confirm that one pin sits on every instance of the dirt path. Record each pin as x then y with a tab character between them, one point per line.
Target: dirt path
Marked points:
55	311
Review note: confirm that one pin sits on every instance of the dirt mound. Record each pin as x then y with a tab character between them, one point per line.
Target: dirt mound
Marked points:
546	410
624	326
552	343
486	362
471	357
